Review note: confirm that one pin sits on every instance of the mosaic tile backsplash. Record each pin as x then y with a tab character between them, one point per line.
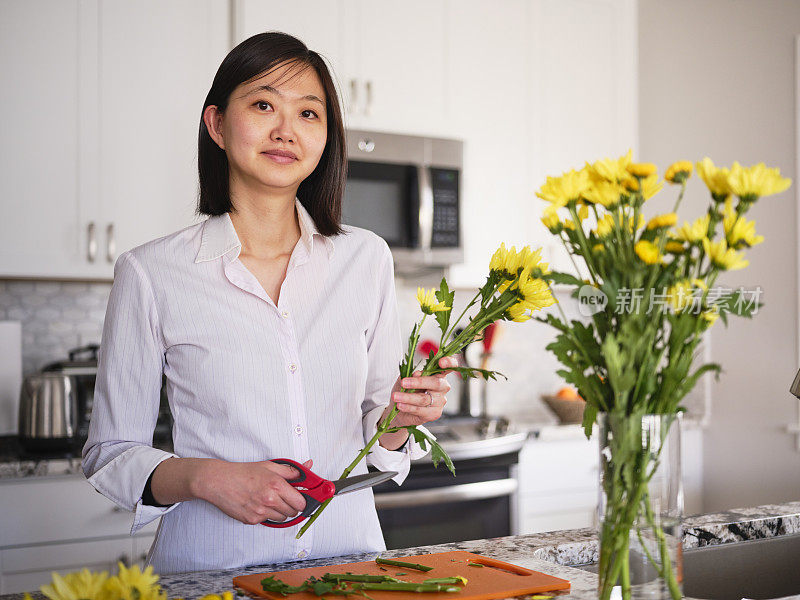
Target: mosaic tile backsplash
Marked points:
59	316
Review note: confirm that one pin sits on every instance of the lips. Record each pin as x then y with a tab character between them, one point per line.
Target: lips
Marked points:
284	153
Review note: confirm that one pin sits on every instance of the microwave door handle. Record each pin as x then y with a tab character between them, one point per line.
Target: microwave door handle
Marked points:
425	209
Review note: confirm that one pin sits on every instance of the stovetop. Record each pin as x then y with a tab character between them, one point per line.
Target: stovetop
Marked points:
464	437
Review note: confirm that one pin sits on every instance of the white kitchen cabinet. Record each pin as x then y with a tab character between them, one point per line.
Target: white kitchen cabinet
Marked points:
62	524
558	484
100	155
389	58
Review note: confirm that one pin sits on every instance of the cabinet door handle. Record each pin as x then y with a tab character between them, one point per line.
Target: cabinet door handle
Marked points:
353	96
368	104
92	249
111	244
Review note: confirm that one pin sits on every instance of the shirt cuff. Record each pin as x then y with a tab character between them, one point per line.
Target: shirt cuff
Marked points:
122	481
398	460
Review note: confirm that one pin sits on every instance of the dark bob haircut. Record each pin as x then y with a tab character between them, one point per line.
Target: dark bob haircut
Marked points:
321	192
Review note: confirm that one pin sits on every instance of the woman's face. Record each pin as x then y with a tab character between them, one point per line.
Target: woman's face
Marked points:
279	112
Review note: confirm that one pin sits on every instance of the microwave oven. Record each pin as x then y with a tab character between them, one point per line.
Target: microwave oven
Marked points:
407	189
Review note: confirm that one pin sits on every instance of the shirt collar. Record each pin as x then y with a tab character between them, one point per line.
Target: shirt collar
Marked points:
219	236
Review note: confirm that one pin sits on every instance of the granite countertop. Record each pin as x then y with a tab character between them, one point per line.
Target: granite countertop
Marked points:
554	553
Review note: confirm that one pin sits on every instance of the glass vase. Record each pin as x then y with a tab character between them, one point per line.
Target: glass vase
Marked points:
641	507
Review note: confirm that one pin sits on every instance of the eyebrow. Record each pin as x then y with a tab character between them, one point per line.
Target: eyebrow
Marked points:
269	88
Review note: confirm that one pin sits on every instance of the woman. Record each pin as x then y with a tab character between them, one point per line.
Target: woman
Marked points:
276	328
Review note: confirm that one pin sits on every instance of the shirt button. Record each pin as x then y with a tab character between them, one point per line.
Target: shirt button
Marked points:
302	554
285	314
292	368
298	430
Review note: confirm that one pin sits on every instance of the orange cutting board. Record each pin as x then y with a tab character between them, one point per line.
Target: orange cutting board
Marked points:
496	579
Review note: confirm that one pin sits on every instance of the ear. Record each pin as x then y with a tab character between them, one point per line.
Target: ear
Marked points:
213	120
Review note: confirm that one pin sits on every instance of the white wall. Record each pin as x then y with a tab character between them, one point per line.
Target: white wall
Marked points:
716	78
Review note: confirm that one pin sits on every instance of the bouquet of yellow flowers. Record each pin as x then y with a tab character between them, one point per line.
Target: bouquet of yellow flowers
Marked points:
130	583
647	290
513	289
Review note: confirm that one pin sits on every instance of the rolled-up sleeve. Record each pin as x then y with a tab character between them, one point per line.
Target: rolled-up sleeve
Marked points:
384	353
118	456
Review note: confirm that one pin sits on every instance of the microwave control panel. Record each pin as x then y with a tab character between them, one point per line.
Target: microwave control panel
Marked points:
445	208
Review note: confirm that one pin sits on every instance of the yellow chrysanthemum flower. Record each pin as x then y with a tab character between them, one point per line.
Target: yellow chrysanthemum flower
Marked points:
534	293
710	316
605	225
132	584
723	257
642	169
75	586
612	170
583	212
604	193
679	296
716	179
598	248
674	247
568	224
561	190
427	301
679	172
754	182
739	232
551	220
647	251
517	313
659	221
694	232
526	259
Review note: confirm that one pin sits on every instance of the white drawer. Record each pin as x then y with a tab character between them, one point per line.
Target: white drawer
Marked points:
68	508
549	466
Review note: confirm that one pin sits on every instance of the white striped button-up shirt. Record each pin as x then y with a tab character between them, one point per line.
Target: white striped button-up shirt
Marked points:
247	381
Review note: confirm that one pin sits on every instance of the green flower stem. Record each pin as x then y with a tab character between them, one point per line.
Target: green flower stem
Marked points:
405	565
587	256
667	572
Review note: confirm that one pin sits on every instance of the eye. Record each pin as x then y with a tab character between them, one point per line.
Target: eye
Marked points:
308	110
262	102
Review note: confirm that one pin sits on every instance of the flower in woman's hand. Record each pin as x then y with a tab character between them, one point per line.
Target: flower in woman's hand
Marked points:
427	301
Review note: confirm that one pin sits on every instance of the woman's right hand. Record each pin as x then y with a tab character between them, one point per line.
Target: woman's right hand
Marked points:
252	492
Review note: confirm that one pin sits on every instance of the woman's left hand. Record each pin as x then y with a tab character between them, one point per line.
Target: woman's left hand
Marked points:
427	402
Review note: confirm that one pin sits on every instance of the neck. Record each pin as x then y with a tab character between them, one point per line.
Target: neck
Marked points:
267	227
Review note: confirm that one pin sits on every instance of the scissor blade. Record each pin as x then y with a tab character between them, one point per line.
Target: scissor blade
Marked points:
359	482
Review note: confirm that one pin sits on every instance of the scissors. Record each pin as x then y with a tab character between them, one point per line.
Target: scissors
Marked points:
317	490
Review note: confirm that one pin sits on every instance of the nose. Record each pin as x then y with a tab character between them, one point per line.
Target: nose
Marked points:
282	130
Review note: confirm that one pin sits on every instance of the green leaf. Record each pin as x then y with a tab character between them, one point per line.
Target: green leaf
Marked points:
444	295
738	304
589	417
563	278
467	372
419	436
437	452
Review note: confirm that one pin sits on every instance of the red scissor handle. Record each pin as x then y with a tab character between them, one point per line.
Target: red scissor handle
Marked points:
314	488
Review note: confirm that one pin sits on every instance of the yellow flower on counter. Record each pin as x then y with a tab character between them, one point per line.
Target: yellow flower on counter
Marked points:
694	232
427	301
679	172
647	251
722	257
750	183
605	193
611	170
80	585
660	221
739	232
559	191
642	169
715	178
132	584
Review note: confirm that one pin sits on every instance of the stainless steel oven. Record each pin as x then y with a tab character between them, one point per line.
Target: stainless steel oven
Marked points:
433	507
407	189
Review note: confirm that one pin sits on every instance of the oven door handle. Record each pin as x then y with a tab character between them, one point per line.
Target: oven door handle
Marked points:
480	490
425	209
